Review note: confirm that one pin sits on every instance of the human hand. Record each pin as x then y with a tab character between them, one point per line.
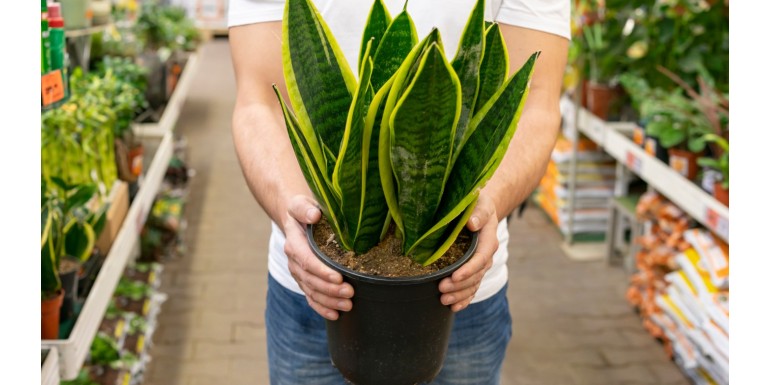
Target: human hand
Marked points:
459	288
324	289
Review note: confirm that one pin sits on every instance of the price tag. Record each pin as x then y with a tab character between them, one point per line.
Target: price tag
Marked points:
52	87
633	162
719	224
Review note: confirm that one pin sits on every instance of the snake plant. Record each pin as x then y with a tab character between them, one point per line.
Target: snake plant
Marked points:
413	138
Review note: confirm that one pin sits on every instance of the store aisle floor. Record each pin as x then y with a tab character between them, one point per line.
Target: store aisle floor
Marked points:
571	322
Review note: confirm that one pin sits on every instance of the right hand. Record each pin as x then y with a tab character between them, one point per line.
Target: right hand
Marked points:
324	289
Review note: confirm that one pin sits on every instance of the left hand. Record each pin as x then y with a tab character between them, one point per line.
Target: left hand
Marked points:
459	288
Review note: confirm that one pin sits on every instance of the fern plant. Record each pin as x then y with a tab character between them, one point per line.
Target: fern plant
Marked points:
413	138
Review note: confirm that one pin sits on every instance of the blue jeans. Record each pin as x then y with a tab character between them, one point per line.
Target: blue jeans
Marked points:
298	353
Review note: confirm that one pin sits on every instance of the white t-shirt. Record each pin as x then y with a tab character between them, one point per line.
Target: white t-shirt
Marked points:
346	19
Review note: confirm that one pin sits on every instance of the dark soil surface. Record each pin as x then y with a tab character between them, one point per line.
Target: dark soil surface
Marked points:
385	259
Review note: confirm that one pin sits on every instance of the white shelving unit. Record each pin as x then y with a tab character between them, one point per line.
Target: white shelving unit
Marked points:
73	351
50	368
615	139
158	141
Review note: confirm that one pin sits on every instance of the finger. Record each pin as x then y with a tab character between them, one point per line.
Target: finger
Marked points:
298	250
482	257
460	296
328	301
304	209
482	213
448	286
323	311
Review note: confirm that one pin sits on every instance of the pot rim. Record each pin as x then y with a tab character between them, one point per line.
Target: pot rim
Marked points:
418	279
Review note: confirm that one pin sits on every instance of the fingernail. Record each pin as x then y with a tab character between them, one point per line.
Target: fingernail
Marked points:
475	222
450	299
311	213
342	305
345	292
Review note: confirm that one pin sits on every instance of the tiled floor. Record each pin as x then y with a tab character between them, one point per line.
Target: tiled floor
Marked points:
571	322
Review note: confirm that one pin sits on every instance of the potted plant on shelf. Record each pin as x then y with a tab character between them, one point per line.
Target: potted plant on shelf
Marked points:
396	157
602	38
721	164
68	232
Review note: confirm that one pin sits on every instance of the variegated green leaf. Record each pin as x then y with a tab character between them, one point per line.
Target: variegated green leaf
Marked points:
424	247
312	170
393	90
422	129
398	41
350	172
494	66
376	25
466	64
318	77
491	131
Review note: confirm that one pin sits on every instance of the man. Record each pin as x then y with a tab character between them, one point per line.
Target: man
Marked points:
302	291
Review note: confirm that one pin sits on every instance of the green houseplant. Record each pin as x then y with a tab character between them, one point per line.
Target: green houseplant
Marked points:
406	146
720	163
68	232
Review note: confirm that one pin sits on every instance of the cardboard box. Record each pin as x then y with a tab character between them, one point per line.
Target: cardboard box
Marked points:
115	215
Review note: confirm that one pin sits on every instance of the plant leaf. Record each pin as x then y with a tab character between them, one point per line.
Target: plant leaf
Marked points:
466	64
398	83
494	66
350	172
312	171
79	239
376	25
422	129
49	279
397	42
491	132
318	78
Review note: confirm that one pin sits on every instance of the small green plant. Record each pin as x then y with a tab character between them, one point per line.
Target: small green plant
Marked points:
162	26
413	139
720	163
68	228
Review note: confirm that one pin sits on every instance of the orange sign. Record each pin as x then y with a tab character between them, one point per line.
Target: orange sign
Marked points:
52	87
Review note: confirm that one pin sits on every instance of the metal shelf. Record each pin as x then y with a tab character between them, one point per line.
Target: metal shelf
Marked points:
73	351
174	105
49	370
615	139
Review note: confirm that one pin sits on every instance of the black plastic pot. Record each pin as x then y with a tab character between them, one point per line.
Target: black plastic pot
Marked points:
397	332
69	282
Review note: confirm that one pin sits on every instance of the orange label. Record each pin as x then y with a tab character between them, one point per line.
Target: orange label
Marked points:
52	87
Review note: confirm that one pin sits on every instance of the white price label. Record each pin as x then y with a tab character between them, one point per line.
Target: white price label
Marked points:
633	162
718	223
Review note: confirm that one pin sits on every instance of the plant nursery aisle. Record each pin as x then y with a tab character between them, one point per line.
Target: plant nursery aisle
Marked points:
572	324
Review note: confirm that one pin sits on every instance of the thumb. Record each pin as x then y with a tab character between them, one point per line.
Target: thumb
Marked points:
304	209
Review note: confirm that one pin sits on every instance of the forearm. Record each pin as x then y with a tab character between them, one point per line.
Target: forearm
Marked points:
267	160
528	153
526	160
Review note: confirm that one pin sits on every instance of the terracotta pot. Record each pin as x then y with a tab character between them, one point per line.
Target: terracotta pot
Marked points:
600	98
722	194
49	312
683	162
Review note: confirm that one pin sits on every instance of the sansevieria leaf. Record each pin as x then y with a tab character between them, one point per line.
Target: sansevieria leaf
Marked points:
318	78
466	63
376	25
350	173
422	129
491	131
494	65
397	42
312	171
